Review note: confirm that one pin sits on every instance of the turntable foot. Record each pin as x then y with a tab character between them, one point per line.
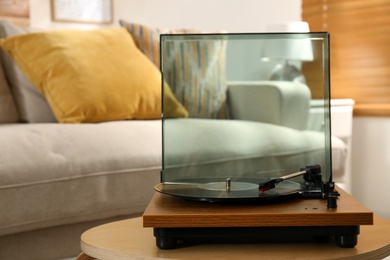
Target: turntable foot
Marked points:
166	242
346	241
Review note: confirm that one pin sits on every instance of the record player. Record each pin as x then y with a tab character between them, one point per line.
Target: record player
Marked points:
226	173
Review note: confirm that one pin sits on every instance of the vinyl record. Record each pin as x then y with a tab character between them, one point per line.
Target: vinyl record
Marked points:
218	190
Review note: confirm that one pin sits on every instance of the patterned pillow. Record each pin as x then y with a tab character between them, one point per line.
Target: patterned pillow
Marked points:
203	89
195	70
148	39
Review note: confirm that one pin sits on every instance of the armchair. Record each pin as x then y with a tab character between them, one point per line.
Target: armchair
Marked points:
281	103
277	102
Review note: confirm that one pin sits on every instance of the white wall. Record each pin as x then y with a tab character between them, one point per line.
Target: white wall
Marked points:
230	15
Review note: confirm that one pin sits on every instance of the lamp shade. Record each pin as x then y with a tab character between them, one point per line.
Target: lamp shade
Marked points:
288	49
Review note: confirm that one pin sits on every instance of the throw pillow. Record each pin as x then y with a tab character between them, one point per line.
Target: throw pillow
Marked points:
147	38
195	70
31	105
8	112
91	75
203	90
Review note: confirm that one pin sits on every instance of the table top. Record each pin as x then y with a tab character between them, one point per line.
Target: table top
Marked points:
128	239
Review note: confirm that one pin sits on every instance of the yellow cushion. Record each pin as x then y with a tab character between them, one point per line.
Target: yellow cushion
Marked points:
92	75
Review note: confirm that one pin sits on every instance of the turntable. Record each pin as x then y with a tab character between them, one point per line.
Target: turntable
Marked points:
249	172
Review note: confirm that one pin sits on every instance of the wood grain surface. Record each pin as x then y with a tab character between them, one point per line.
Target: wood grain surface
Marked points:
169	212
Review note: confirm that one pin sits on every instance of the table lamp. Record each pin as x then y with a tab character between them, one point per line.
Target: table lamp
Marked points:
289	52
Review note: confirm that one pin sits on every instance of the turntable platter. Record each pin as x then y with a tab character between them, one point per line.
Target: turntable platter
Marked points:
215	190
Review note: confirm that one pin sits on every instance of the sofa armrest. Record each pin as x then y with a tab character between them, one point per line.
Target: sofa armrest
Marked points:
276	102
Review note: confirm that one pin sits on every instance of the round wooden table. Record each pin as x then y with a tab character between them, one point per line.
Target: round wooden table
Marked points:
128	239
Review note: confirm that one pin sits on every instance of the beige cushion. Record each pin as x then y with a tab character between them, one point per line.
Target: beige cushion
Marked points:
32	106
8	112
55	174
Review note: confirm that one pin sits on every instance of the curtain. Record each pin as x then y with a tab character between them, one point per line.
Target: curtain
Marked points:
359	50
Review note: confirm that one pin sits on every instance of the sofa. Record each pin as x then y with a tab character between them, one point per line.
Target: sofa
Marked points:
63	171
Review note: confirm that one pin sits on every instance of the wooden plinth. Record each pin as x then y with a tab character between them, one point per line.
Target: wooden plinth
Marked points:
166	211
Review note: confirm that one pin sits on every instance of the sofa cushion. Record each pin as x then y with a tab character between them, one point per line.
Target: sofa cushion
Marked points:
31	105
92	75
186	77
8	112
56	174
